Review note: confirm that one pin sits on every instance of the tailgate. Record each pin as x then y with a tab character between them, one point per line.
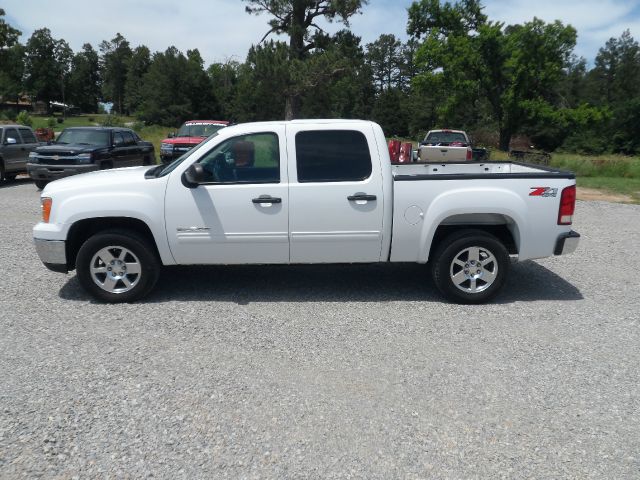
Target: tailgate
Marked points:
442	154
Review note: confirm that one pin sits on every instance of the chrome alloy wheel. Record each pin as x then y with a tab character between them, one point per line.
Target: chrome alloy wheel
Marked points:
115	269
473	269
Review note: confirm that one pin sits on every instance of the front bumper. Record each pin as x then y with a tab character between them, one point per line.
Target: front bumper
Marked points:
567	243
52	253
53	172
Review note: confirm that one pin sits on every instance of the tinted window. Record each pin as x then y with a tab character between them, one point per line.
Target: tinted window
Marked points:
198	129
85	137
253	158
28	136
128	138
118	140
445	137
332	156
12	133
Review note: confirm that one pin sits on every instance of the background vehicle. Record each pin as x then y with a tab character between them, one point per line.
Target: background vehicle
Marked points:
85	149
445	146
305	192
16	143
191	133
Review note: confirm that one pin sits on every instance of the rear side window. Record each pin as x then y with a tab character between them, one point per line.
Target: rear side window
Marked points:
28	136
332	156
118	139
128	138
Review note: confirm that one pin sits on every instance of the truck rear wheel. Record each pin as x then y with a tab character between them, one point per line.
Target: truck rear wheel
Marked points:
40	184
470	266
117	266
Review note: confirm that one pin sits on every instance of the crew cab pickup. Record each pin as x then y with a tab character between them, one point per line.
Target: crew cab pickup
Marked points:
304	192
191	133
16	143
85	149
445	146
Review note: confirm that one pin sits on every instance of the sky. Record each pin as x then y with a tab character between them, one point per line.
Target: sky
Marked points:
222	30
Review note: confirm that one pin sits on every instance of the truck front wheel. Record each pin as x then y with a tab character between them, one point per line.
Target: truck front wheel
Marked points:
470	266
117	266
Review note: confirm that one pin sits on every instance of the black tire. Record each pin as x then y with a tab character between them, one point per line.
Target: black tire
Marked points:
10	177
1	170
122	247
146	160
456	272
40	184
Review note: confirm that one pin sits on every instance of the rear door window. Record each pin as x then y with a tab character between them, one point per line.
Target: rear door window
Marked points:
118	139
128	138
28	136
332	156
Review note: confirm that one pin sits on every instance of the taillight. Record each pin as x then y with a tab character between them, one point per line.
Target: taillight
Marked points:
469	155
567	205
46	209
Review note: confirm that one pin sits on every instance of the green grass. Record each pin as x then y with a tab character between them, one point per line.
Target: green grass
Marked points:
154	134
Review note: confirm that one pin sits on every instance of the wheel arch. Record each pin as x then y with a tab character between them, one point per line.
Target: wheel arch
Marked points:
501	226
81	230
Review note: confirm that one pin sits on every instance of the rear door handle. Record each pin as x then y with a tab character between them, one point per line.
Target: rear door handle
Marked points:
360	197
267	199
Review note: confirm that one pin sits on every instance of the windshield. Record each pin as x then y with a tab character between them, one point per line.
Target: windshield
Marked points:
171	167
198	129
85	137
445	137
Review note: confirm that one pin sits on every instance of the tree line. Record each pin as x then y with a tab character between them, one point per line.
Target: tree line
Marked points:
458	69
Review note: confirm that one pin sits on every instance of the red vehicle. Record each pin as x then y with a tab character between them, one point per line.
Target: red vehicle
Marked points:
191	133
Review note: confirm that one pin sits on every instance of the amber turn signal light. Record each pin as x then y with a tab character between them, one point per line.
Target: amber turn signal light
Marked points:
46	209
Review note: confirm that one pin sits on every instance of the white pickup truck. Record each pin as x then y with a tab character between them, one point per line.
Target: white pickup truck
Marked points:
304	192
445	146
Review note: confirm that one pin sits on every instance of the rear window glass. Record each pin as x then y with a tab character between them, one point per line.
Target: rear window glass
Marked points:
332	156
445	137
85	137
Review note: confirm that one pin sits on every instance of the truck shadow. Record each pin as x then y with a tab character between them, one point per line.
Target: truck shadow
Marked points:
331	283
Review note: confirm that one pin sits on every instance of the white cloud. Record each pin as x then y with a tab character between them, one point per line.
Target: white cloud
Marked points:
222	29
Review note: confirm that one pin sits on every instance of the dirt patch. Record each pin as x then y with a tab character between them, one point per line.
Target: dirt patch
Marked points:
584	193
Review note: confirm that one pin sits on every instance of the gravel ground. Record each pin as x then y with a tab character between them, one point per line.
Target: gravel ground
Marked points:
324	372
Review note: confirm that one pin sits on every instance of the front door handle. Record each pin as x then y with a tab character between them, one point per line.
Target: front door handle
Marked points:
361	197
267	199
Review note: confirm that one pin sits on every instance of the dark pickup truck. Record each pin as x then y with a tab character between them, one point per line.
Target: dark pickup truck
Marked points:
16	143
85	149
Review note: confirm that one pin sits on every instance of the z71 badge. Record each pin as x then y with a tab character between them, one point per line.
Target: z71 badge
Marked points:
543	192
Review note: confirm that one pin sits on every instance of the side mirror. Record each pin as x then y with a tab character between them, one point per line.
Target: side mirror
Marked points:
10	141
194	176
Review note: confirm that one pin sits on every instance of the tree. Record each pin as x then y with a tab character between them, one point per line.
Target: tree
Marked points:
138	66
47	65
487	66
116	55
175	88
297	19
8	35
84	80
386	61
224	81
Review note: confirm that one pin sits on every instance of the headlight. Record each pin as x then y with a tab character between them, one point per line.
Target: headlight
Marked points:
46	202
84	158
166	147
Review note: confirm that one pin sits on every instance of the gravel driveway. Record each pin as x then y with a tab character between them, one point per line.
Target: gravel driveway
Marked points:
324	372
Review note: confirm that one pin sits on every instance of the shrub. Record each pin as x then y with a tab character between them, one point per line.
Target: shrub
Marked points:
51	122
24	118
112	121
